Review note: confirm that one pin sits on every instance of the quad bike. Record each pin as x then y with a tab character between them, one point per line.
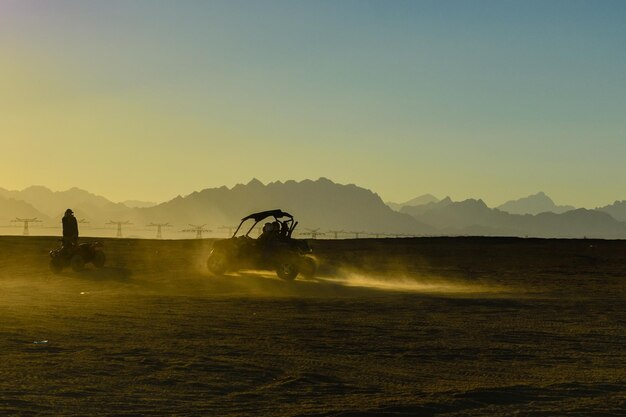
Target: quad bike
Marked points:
274	250
76	256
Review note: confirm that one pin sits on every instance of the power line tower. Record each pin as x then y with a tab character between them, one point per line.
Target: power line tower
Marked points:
336	233
357	234
26	222
159	235
376	235
197	229
119	226
314	233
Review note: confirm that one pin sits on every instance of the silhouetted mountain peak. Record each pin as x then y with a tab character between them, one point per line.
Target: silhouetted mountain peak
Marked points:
315	203
617	210
255	183
138	203
417	201
37	188
324	180
472	202
533	204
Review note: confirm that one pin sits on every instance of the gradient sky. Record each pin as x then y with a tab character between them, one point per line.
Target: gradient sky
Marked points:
150	99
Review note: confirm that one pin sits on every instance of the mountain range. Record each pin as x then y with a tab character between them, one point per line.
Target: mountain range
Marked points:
533	204
473	217
417	201
320	204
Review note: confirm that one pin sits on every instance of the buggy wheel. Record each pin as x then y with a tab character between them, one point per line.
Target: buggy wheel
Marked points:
56	265
217	263
287	269
77	263
99	259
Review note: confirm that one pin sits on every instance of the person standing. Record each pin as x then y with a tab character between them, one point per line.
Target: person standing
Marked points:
70	229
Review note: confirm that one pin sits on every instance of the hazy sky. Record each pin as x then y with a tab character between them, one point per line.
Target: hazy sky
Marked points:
150	99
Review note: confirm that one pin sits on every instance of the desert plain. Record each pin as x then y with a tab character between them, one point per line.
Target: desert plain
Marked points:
396	327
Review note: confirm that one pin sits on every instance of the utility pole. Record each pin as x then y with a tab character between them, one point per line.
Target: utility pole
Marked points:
198	229
314	233
119	226
159	235
26	222
336	233
357	234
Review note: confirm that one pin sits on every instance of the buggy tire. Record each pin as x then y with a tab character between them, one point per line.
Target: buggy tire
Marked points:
287	269
217	262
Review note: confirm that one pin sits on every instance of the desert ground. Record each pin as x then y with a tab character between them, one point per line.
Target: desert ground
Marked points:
393	327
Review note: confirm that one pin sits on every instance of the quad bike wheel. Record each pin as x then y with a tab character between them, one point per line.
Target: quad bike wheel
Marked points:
77	262
287	269
99	259
217	263
56	265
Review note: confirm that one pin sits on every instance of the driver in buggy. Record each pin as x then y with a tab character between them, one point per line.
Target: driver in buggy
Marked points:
271	231
270	238
70	231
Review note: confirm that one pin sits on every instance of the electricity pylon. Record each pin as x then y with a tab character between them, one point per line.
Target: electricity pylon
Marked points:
356	234
159	235
197	229
26	222
376	235
336	233
314	233
119	226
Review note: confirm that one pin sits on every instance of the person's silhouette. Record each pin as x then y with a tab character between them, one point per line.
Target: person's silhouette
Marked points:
70	229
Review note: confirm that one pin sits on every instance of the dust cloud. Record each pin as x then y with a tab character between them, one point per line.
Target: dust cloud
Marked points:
414	283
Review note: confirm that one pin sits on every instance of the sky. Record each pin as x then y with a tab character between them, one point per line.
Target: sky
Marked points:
149	99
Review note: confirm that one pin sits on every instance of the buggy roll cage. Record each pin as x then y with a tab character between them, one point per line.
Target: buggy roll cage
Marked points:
262	215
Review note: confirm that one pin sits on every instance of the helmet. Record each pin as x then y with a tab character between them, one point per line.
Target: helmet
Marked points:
69	211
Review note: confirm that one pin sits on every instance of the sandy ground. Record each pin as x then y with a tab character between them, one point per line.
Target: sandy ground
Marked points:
393	327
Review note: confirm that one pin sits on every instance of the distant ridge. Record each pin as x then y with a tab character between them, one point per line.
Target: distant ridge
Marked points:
417	201
321	203
533	204
617	210
473	217
317	204
11	208
54	203
138	204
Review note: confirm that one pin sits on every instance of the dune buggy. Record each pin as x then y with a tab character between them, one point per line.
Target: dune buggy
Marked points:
274	249
76	256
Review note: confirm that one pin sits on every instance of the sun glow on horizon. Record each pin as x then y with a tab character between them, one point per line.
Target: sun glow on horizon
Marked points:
148	100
